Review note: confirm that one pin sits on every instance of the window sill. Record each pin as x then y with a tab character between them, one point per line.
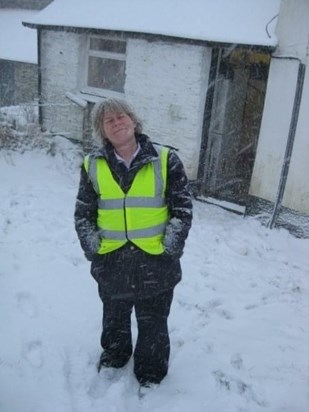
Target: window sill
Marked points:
85	96
105	94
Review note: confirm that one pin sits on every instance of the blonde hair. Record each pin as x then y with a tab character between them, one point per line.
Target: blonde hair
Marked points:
111	106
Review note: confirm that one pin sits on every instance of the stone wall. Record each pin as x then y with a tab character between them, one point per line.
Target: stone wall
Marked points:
18	83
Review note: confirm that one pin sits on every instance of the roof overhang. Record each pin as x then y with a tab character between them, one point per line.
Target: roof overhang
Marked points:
247	22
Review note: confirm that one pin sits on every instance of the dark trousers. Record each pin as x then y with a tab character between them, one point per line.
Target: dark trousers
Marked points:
152	349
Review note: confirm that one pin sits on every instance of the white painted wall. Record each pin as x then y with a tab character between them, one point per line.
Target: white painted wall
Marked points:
61	62
296	195
167	85
294	40
293	29
274	128
293	35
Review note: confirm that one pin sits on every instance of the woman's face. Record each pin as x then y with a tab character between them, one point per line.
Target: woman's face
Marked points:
119	128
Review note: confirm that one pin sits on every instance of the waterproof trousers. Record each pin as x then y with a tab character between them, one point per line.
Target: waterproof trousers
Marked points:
152	349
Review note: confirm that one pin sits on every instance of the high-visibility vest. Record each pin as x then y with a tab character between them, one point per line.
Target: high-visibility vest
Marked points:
140	215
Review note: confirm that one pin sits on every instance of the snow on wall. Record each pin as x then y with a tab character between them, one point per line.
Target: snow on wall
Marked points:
167	85
61	72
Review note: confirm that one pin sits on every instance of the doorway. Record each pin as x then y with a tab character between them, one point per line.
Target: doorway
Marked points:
232	121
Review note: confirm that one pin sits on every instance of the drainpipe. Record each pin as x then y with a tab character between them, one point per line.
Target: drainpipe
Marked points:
290	143
39	77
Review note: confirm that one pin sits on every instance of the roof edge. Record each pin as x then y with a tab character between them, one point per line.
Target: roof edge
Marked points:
147	36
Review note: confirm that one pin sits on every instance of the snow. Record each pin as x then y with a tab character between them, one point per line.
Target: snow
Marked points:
17	43
238	326
232	21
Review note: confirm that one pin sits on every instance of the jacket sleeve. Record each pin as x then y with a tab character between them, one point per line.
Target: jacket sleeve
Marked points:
179	203
85	216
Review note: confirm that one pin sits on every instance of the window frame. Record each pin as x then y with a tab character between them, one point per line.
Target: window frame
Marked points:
96	91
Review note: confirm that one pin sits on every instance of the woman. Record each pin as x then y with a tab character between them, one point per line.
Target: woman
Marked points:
133	214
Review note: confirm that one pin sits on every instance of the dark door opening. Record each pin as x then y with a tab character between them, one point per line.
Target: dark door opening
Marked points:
234	116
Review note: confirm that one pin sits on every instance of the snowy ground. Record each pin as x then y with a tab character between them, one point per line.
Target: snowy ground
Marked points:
239	323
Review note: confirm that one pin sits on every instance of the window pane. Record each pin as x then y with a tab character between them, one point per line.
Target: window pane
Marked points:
106	74
114	46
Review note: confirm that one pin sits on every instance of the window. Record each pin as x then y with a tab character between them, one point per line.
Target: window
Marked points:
106	65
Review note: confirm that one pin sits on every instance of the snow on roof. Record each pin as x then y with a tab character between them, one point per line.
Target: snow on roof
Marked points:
226	21
17	42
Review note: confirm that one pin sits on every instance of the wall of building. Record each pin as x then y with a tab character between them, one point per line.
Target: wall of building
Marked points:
293	35
293	28
274	130
296	194
26	82
167	84
18	82
61	62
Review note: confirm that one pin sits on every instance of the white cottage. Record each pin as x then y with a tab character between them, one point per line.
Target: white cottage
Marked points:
197	73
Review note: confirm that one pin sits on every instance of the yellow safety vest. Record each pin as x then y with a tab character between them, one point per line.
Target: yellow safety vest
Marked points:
140	215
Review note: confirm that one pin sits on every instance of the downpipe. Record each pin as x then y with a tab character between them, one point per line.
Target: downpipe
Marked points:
289	146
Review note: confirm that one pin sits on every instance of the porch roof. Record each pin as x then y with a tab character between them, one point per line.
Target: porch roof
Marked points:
17	43
250	22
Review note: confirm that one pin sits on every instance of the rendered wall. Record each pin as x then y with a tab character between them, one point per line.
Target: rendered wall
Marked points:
293	35
167	84
61	55
295	41
274	129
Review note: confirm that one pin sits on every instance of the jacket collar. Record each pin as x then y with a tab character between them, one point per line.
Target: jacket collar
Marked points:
147	153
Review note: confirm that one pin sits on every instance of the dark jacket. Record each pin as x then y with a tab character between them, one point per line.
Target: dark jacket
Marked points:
130	270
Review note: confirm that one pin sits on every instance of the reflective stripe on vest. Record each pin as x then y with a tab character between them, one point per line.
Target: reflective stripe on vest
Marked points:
140	215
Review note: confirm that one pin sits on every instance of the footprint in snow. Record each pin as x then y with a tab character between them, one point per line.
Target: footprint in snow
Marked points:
237	385
33	353
225	314
214	303
208	348
26	304
236	361
252	306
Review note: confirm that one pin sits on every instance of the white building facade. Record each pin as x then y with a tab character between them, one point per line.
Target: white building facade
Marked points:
288	72
227	104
